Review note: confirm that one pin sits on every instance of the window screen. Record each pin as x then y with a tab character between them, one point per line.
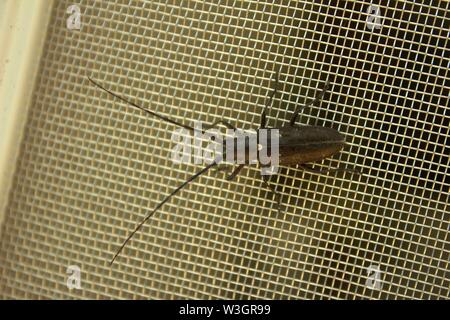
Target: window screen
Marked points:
90	167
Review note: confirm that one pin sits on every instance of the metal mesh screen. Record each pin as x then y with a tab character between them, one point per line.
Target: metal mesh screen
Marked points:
91	167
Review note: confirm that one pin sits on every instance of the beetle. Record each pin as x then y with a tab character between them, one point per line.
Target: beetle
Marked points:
298	146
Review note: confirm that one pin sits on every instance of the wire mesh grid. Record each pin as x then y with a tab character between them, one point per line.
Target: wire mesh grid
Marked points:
91	167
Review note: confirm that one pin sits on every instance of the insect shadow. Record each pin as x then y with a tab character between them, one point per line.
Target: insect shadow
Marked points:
298	146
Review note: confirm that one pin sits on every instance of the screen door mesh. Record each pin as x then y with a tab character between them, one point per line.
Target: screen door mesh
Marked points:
91	167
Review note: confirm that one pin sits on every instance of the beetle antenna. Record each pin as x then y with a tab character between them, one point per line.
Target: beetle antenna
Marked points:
141	108
159	206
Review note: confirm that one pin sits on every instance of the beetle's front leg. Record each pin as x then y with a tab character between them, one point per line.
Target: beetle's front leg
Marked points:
316	100
230	175
235	172
222	121
221	168
263	114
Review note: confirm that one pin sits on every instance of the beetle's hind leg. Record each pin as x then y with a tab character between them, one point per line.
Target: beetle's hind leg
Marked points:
313	102
265	179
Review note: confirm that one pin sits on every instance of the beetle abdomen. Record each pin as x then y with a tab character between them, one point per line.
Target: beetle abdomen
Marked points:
308	144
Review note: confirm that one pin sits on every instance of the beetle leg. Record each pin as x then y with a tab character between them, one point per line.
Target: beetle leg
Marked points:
222	121
266	182
322	171
269	102
316	100
235	172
